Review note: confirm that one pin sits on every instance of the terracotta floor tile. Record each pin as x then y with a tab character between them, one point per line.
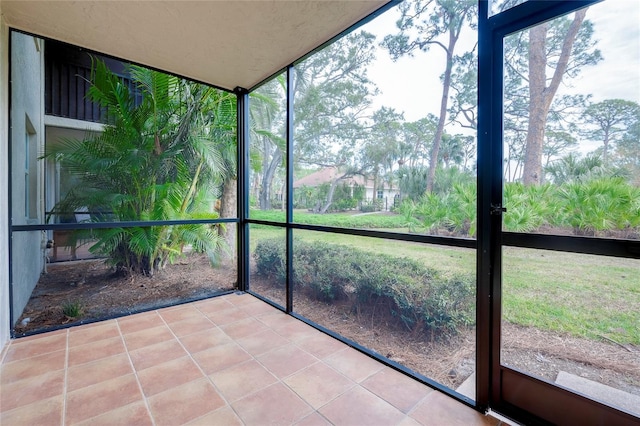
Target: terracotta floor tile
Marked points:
438	409
33	389
296	331
185	403
4	350
243	379
81	336
147	337
262	342
30	367
319	384
286	360
100	398
179	313
240	299
353	364
317	370
20	350
314	419
257	308
276	404
156	354
227	316
243	328
408	421
135	414
360	407
222	416
321	345
221	357
95	350
397	389
98	371
191	325
214	304
207	339
41	335
139	322
169	374
44	412
277	319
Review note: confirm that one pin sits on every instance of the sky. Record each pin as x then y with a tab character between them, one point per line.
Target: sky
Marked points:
412	84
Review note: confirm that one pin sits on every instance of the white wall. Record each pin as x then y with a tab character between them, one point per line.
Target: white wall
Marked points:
27	112
4	187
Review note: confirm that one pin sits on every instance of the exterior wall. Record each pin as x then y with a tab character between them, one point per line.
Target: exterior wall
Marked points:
388	196
27	118
4	183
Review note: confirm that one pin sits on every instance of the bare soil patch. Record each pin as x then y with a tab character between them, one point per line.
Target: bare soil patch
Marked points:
451	361
103	294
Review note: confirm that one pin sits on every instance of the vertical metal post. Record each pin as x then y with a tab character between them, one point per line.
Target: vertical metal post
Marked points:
10	186
243	187
483	249
289	175
494	238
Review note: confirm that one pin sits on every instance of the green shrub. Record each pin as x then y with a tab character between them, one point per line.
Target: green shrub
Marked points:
72	309
599	205
271	259
341	220
412	295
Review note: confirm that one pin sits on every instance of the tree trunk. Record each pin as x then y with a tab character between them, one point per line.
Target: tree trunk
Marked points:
332	189
541	96
374	196
605	148
435	148
229	209
267	179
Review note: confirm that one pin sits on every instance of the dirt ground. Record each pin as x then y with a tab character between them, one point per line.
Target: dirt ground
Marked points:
540	353
102	294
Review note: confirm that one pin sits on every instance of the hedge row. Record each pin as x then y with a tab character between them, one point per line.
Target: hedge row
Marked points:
341	220
419	298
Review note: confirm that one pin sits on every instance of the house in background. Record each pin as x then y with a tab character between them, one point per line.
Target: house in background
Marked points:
385	195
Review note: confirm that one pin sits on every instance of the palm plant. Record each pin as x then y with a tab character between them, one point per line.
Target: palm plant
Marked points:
598	205
161	157
463	208
571	167
528	207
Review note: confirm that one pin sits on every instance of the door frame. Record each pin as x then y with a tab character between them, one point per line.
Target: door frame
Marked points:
500	388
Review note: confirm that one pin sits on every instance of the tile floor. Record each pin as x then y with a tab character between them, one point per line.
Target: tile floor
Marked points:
230	360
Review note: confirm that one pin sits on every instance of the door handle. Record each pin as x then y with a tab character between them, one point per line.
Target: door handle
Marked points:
497	209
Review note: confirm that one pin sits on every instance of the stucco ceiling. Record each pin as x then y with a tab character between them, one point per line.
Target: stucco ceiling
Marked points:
225	43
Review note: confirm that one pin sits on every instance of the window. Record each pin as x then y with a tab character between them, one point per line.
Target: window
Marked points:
30	172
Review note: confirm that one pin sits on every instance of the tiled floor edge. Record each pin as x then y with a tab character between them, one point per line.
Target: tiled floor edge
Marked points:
5	350
135	372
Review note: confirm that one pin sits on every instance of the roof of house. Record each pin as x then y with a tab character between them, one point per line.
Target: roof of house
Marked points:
227	44
327	175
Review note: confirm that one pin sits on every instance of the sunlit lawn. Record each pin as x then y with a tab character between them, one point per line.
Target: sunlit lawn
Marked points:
584	295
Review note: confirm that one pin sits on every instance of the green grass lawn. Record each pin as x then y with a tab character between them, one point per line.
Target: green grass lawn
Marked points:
583	295
343	220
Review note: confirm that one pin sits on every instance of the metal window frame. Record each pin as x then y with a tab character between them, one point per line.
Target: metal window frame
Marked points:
490	237
550	403
241	133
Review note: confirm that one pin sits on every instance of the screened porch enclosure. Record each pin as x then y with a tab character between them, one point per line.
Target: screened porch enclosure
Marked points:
401	190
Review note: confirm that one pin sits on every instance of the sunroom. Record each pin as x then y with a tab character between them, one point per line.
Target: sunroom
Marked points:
472	245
